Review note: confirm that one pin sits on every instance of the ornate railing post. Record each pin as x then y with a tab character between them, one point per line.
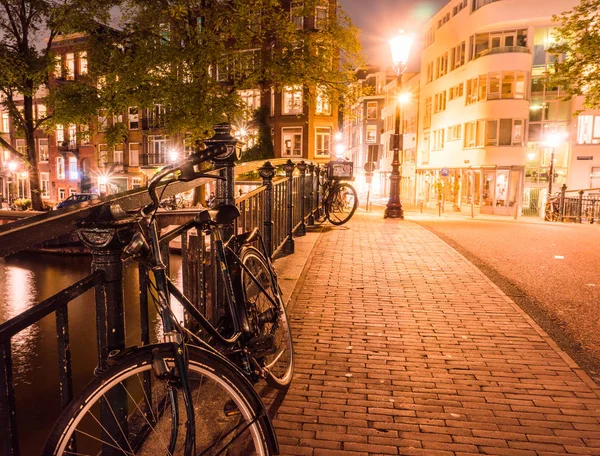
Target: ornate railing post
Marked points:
225	193
563	191
301	231
267	172
288	247
580	206
311	195
106	236
322	175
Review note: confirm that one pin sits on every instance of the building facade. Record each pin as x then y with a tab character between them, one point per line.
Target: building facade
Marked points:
485	111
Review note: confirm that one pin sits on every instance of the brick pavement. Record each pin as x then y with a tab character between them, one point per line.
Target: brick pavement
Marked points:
404	347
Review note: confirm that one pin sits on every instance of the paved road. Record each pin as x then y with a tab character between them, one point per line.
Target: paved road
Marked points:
403	347
552	270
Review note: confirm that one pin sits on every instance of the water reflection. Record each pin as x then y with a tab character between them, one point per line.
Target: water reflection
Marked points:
28	279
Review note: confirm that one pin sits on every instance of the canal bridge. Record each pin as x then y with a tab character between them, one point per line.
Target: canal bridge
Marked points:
403	346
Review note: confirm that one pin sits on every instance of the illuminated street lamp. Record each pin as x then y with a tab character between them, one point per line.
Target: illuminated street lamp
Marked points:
553	140
400	47
173	155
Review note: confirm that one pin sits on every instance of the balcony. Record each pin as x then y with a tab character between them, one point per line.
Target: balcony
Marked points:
160	159
503	50
68	146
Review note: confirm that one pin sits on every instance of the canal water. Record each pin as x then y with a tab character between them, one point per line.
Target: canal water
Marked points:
27	279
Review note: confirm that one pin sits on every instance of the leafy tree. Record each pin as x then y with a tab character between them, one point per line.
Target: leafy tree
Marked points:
577	51
26	61
192	56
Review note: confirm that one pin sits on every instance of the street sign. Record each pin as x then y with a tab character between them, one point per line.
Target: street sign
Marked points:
369	167
445	172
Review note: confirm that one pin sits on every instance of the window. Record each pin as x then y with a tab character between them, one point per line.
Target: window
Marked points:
323	141
471	91
473	136
72	191
21	146
427	115
102	121
430	36
60	168
440	102
136	182
437	139
118	156
45	184
134	154
491	133
60	135
156	116
291	142
322	16
441	65
5	123
73	172
157	150
70	65
72	131
454	132
272	107
504	132
456	91
43	149
457	56
323	104
425	149
297	14
41	111
250	98
61	194
371	134
371	110
588	129
292	100
429	72
134	118
83	63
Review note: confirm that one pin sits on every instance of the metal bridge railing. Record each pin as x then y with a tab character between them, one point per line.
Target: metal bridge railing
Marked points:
280	207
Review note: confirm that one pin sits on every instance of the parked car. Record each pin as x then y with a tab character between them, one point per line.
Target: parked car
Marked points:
77	198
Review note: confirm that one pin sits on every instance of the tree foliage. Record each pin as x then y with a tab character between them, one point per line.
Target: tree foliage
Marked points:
27	31
576	69
194	56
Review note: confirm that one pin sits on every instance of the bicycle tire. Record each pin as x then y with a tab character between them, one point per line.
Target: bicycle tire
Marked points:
265	320
341	204
147	429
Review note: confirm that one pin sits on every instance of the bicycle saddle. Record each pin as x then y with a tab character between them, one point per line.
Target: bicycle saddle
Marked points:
222	215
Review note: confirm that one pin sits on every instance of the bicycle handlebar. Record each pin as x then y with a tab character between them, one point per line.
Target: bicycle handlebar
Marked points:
189	162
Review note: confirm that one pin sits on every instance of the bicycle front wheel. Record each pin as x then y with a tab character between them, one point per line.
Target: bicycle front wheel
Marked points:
267	318
129	410
341	204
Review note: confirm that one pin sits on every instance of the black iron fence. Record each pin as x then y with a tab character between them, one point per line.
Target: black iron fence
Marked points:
281	206
581	208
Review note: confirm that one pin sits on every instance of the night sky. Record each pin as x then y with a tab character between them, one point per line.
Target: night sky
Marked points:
379	20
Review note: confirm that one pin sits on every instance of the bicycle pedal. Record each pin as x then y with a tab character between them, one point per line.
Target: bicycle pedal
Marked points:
230	409
261	346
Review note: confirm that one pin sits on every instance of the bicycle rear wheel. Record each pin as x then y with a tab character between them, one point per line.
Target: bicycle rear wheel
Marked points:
341	204
268	321
129	411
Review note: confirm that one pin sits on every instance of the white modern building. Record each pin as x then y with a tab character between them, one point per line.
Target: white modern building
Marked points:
485	111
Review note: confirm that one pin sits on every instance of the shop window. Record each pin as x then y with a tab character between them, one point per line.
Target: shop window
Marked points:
292	142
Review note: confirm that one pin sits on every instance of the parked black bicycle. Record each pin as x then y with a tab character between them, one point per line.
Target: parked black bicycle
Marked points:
340	199
183	396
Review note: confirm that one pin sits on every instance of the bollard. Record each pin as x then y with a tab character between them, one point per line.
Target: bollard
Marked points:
301	230
288	246
311	195
267	172
563	190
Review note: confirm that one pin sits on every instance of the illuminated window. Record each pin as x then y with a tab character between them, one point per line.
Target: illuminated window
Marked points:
83	63
43	149
45	184
323	104
371	110
60	168
134	119
323	141
70	65
73	171
134	154
292	100
5	123
371	134
291	142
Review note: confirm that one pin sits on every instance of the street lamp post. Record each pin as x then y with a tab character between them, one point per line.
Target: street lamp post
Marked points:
552	141
400	47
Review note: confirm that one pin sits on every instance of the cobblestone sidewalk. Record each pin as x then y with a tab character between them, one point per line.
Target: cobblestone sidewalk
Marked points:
404	347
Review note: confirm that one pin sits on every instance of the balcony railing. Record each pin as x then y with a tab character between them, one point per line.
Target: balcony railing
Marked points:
154	159
502	50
